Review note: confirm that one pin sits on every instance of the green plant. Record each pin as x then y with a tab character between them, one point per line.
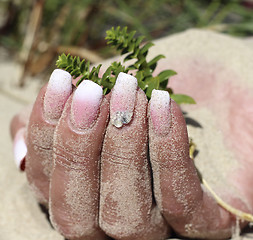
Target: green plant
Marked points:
142	69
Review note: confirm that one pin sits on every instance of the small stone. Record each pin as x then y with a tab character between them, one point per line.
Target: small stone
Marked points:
121	118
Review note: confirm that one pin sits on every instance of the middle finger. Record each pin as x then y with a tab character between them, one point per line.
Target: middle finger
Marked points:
126	206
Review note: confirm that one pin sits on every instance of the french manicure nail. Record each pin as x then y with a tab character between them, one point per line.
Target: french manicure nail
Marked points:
85	104
19	148
58	91
123	99
160	111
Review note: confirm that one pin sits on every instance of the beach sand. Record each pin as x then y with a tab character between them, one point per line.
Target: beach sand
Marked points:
21	217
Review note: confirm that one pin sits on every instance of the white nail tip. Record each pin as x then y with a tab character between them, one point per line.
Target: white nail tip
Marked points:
125	82
86	103
88	90
160	97
58	90
60	81
19	148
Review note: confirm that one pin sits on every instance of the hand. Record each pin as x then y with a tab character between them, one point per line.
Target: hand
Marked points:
63	164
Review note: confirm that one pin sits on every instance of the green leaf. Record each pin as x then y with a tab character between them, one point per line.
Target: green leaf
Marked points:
106	74
79	81
131	35
69	59
86	76
87	66
61	61
164	75
63	58
140	77
131	67
131	47
75	73
129	57
82	66
153	62
153	83
124	31
105	91
98	69
169	90
69	68
74	62
181	99
78	61
139	40
146	47
138	63
120	47
163	84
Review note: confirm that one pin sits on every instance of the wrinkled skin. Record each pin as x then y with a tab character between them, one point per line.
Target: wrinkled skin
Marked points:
96	179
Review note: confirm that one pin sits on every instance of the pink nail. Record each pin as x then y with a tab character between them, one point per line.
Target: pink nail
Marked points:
160	111
58	91
123	99
19	148
85	104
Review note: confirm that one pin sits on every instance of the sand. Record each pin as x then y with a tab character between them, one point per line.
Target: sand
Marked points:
21	218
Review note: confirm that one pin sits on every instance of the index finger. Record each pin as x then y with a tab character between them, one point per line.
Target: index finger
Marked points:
46	111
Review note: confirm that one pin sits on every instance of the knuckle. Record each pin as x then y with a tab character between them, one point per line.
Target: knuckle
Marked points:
69	159
116	159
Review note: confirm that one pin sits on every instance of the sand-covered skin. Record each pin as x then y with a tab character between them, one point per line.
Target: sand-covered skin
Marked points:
224	112
39	160
127	209
45	114
218	48
20	120
74	187
222	119
178	192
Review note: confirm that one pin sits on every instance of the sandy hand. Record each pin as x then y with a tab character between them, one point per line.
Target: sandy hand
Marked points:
92	168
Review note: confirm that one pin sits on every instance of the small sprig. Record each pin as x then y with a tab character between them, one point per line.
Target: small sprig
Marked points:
127	44
77	68
142	69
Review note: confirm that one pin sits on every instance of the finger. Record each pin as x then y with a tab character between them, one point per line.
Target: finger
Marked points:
18	130
126	206
20	120
20	148
74	188
187	208
46	111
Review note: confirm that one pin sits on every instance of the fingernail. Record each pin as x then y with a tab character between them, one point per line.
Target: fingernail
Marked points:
123	99
160	111
58	91
19	148
85	104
